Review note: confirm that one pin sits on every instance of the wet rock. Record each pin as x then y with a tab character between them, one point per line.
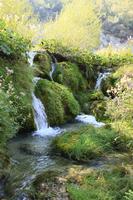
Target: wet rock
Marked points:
51	185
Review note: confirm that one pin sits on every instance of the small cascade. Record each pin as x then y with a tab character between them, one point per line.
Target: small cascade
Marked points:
89	119
40	116
31	56
102	76
53	66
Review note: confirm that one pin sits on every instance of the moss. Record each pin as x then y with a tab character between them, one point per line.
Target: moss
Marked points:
92	102
59	102
68	74
42	63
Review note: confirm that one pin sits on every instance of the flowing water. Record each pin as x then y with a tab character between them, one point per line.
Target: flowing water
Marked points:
53	67
31	155
101	77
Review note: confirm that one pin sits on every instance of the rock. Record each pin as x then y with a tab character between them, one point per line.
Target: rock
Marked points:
59	102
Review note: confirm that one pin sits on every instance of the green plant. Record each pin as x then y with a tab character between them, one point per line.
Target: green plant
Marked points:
129	195
88	143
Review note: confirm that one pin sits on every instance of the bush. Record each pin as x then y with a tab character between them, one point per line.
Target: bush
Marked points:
77	25
8	125
11	43
59	102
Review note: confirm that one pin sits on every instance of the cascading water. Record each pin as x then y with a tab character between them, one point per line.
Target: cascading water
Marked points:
40	116
90	119
53	66
102	76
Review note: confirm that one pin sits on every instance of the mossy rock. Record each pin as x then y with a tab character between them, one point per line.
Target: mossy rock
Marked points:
42	63
60	104
92	102
68	74
107	84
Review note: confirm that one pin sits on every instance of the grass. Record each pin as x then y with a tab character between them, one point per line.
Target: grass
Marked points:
115	184
89	143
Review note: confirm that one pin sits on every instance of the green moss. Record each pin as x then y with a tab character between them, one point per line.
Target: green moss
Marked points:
92	102
103	185
59	102
89	143
42	63
68	74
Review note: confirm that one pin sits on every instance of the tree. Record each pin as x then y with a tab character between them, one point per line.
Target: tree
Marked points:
19	16
76	26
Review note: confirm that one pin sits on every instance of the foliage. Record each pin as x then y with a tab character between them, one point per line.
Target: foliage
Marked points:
122	103
88	143
59	102
11	43
8	125
118	11
76	26
19	17
102	185
16	82
129	195
111	57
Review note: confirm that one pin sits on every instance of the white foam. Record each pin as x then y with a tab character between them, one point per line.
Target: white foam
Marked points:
89	119
50	132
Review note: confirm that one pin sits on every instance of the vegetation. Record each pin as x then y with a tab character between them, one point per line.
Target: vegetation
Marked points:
19	16
89	143
42	64
75	28
15	84
103	185
68	74
59	102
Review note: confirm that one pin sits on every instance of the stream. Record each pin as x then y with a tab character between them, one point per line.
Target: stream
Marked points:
31	153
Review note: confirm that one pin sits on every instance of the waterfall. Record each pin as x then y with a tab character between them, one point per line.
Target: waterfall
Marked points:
102	76
53	66
40	116
31	56
89	119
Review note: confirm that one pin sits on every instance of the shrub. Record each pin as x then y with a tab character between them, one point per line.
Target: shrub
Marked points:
11	43
76	26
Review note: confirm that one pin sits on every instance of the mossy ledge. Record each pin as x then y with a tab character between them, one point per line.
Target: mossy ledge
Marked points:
59	102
